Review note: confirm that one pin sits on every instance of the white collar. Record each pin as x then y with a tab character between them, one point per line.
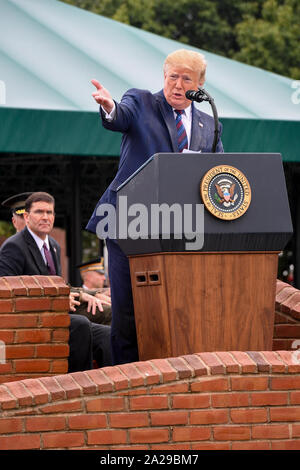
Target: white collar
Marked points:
187	111
39	241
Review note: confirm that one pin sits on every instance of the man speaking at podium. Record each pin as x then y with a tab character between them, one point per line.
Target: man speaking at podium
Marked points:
150	123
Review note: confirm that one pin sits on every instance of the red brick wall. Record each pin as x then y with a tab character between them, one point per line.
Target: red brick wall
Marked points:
222	400
287	317
34	327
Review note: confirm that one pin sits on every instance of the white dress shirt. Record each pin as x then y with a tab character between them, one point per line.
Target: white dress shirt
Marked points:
40	242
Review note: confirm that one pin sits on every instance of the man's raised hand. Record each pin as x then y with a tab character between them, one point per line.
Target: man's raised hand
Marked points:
102	96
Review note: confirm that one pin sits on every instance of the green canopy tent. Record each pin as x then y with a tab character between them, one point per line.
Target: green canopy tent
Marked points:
49	52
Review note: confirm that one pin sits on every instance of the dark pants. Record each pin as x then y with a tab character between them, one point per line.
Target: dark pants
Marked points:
88	341
123	333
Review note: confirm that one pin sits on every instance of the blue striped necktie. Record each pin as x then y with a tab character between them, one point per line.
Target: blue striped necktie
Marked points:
181	132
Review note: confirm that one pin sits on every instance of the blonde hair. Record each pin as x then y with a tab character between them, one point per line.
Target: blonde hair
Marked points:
191	59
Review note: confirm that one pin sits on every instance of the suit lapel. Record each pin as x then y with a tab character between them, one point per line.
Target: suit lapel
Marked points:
55	257
168	117
197	130
35	252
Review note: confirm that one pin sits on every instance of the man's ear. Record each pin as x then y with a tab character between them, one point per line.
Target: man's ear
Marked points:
26	215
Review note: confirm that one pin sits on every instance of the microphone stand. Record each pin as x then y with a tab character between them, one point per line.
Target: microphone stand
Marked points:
202	95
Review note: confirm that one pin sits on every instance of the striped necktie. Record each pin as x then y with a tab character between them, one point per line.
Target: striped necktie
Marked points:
181	132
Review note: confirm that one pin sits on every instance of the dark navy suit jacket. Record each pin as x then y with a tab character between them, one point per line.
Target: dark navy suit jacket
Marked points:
20	255
148	126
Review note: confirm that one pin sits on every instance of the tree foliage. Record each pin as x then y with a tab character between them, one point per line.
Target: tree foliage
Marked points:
264	33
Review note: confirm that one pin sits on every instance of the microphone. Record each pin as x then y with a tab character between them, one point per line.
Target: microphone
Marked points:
198	95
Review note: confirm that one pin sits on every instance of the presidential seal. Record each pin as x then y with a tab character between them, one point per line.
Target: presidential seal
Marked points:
225	192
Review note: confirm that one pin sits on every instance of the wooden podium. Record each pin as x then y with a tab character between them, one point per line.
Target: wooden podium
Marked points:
221	296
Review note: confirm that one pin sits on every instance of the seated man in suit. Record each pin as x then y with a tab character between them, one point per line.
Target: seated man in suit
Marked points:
150	123
31	252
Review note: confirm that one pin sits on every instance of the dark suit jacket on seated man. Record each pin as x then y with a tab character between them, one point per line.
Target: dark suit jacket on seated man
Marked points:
25	254
149	124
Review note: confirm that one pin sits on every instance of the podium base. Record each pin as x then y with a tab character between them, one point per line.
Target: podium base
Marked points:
194	302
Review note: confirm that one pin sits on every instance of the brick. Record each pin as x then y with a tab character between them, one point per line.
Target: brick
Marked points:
285	414
129	420
23	442
71	388
55	320
32	305
7	336
190	433
32	365
32	287
165	369
191	401
100	379
180	387
106	437
6	306
231	365
60	335
259	445
280	285
5	289
19	320
47	284
59	366
16	285
19	351
18	390
151	376
33	336
295	311
65	407
213	362
52	350
283	295
210	384
210	446
5	369
148	402
62	287
261	363
55	390
134	376
105	404
7	400
277	366
209	417
289	303
269	398
286	445
60	304
291	358
83	380
248	366
295	398
170	447
285	383
114	375
250	415
249	383
287	331
11	425
295	430
62	440
168	418
183	371
270	431
231	433
230	400
196	364
87	421
41	423
139	436
36	389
